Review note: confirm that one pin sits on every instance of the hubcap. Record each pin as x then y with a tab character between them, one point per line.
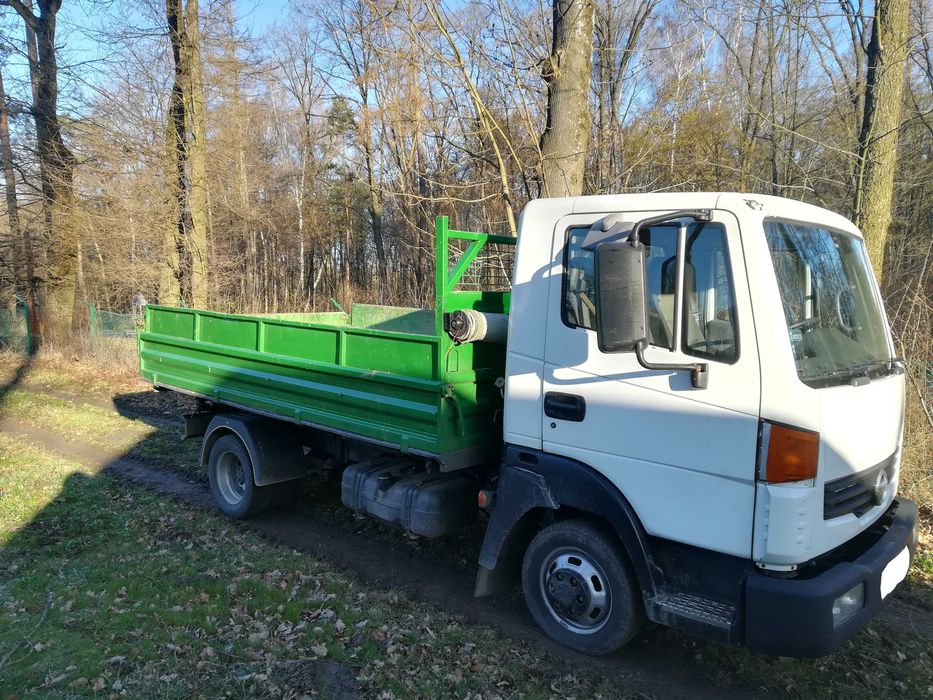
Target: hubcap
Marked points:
230	479
575	590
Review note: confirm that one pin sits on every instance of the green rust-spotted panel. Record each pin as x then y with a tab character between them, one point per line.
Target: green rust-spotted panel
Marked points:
178	323
330	318
406	356
234	332
319	344
393	318
380	385
399	413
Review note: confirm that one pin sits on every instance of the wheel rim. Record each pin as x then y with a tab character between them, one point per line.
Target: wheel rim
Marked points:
575	590
230	478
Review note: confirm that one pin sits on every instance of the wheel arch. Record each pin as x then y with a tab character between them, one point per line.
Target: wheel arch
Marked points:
274	447
536	488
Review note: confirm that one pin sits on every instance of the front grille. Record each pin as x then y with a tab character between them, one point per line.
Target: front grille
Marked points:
854	494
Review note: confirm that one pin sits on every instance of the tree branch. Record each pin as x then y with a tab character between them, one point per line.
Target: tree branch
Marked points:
22	11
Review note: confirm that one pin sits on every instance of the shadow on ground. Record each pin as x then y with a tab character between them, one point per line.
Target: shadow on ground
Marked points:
17	378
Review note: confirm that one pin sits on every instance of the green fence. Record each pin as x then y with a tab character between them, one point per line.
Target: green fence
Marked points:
15	332
108	324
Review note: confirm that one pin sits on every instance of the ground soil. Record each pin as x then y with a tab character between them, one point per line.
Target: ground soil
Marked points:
675	674
660	666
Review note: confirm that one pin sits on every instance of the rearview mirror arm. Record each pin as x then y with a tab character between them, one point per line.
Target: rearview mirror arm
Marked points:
699	371
701	215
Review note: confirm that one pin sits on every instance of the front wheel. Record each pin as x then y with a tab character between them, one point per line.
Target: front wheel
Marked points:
580	589
230	472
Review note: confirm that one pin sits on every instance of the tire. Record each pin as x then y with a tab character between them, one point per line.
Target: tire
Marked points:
230	472
580	588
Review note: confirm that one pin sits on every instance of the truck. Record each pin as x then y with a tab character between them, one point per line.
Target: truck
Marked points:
683	408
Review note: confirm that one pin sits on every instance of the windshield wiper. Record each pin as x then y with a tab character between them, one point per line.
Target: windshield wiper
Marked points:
856	372
867	367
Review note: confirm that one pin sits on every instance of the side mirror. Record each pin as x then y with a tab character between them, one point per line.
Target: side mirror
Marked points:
621	308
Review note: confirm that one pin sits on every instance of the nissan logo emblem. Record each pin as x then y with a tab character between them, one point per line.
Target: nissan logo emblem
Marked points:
881	486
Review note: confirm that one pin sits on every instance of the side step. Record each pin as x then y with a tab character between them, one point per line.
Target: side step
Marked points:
704	617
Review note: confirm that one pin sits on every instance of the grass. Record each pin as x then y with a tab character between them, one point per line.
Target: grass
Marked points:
105	587
191	598
916	465
161	445
883	661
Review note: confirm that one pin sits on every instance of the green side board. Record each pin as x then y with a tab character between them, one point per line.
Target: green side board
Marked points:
388	375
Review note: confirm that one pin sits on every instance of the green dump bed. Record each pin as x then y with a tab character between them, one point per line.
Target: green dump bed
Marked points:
387	375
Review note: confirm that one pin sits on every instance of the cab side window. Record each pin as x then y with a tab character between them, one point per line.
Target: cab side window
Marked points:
709	329
579	285
661	280
708	324
579	308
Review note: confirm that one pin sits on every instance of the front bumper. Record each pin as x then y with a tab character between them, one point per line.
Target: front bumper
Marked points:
793	616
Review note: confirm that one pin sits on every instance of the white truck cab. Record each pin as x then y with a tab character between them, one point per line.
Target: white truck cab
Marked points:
713	376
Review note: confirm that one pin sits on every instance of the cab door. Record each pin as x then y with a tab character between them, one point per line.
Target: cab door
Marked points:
683	457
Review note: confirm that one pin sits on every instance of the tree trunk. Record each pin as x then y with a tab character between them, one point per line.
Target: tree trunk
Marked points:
197	157
375	198
567	74
887	56
173	283
56	169
19	235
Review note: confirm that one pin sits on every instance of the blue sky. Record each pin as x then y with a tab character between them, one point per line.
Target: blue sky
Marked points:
78	20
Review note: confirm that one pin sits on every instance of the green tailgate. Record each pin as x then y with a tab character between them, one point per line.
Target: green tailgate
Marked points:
388	375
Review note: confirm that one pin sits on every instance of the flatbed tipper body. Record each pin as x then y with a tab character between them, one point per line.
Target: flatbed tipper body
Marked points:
387	375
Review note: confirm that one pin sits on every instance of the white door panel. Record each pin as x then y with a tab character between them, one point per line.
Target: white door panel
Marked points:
683	457
625	417
523	398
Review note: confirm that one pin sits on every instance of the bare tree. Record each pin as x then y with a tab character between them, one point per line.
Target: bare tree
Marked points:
618	31
489	125
197	155
351	27
186	234
877	147
175	281
56	166
567	74
21	236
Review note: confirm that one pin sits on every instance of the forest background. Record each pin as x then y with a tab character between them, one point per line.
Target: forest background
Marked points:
283	156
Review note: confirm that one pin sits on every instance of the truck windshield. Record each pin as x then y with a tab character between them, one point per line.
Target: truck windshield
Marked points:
833	316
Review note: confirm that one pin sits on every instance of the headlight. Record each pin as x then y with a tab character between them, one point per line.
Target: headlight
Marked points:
849	603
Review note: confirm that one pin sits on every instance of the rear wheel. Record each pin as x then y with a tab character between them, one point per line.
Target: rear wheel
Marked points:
230	472
580	589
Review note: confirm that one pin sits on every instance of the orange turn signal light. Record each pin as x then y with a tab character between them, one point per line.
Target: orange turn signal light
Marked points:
792	454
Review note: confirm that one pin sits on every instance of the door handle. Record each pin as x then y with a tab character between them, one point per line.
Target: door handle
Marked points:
564	406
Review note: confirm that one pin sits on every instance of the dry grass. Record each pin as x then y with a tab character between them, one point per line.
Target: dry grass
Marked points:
112	365
917	465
